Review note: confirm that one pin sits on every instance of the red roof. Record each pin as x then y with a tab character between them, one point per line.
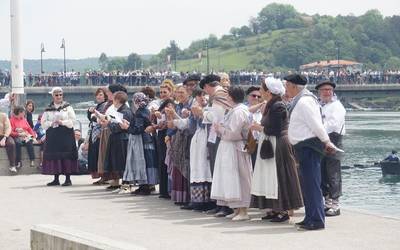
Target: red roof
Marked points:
329	63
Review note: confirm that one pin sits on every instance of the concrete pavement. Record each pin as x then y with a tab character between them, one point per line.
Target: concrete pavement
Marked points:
158	224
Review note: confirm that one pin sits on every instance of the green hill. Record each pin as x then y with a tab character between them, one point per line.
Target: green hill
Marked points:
280	38
246	56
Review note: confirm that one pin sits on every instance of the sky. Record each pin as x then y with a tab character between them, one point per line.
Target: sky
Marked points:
120	27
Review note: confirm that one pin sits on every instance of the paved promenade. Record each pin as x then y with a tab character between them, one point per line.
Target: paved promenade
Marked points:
158	224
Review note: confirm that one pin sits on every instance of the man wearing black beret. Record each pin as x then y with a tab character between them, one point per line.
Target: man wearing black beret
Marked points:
333	114
220	104
305	131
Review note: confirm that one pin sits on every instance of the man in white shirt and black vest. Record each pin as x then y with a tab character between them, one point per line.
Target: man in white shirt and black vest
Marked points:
333	114
308	136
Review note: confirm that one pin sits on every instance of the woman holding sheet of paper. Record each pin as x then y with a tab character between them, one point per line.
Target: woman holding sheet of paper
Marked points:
115	158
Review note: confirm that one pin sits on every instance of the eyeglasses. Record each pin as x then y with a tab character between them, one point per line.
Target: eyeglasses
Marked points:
326	89
58	95
255	96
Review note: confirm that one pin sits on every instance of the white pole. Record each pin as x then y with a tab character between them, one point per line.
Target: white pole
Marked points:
17	67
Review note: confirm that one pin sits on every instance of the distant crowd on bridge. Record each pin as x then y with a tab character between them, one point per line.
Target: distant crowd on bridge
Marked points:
155	78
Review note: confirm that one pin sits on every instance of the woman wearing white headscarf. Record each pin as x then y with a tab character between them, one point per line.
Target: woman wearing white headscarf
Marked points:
60	155
275	183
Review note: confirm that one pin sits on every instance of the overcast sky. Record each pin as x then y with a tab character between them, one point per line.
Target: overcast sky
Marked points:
119	27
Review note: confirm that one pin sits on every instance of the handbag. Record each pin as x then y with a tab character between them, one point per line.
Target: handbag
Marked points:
251	144
266	150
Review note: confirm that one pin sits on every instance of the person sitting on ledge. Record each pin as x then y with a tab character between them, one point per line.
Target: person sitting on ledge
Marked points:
392	157
7	141
23	134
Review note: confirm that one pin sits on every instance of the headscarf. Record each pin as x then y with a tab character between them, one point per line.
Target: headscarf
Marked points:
140	100
275	86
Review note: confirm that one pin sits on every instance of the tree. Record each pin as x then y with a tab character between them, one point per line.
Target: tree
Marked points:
393	63
234	31
212	41
103	61
116	64
244	32
133	62
254	25
240	43
272	16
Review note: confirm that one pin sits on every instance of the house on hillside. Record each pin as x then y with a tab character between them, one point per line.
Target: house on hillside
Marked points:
329	65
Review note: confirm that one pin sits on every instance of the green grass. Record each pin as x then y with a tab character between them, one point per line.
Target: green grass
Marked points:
234	58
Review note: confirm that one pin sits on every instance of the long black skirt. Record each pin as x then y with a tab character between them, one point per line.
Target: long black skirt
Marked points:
163	174
114	164
289	190
93	156
60	155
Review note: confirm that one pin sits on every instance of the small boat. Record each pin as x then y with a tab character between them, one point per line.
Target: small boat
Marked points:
390	168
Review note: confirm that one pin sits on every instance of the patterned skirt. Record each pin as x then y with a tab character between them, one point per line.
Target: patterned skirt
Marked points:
200	192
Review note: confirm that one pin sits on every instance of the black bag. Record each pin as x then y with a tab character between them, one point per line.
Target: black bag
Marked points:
266	150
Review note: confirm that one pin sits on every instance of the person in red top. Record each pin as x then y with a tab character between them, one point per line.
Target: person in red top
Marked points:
23	134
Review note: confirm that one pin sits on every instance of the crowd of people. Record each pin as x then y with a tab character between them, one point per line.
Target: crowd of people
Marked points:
206	146
154	78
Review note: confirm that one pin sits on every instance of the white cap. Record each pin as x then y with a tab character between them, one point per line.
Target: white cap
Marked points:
275	86
55	89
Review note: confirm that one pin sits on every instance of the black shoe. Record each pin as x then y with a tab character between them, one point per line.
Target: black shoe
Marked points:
310	227
180	203
113	187
212	210
281	217
141	192
224	212
67	183
269	216
301	223
53	183
200	208
187	207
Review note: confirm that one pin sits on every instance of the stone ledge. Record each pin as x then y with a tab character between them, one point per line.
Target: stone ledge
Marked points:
44	237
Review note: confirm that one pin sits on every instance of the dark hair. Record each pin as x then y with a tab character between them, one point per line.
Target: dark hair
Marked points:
212	80
77	130
274	99
149	92
104	93
117	87
190	78
165	104
121	96
264	86
18	109
30	102
251	89
198	92
394	152
236	93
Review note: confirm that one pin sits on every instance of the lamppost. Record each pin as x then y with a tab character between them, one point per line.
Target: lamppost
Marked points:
63	47
338	60
208	58
42	50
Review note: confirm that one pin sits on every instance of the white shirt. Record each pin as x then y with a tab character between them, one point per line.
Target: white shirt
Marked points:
306	121
66	116
334	117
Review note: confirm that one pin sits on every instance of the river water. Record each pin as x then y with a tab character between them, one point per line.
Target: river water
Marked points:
370	137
